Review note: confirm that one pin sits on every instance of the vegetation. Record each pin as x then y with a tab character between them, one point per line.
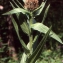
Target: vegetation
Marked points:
39	44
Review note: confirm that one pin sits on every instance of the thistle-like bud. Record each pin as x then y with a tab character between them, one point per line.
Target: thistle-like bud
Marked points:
31	4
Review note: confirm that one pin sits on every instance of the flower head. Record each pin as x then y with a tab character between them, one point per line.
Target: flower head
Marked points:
31	4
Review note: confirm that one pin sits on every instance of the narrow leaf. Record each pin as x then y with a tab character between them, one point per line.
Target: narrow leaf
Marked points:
12	5
17	14
16	4
20	3
38	50
35	41
23	25
38	11
25	28
17	31
17	10
43	29
45	14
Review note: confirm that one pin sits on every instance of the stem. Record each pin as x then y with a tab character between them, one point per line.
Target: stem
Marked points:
30	43
31	34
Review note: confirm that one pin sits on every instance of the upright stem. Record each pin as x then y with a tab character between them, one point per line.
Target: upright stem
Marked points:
29	45
31	35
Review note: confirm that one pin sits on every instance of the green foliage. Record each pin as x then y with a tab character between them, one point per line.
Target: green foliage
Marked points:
50	56
25	28
17	10
43	29
38	11
17	31
28	26
39	48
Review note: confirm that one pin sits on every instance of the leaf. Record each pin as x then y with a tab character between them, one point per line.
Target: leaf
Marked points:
24	1
43	61
20	4
45	14
47	53
17	10
12	5
25	28
15	4
17	31
38	50
17	14
38	11
23	25
43	29
35	41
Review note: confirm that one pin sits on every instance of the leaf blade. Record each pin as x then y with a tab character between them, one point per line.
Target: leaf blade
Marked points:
45	14
38	50
25	28
21	41
43	29
38	11
17	10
